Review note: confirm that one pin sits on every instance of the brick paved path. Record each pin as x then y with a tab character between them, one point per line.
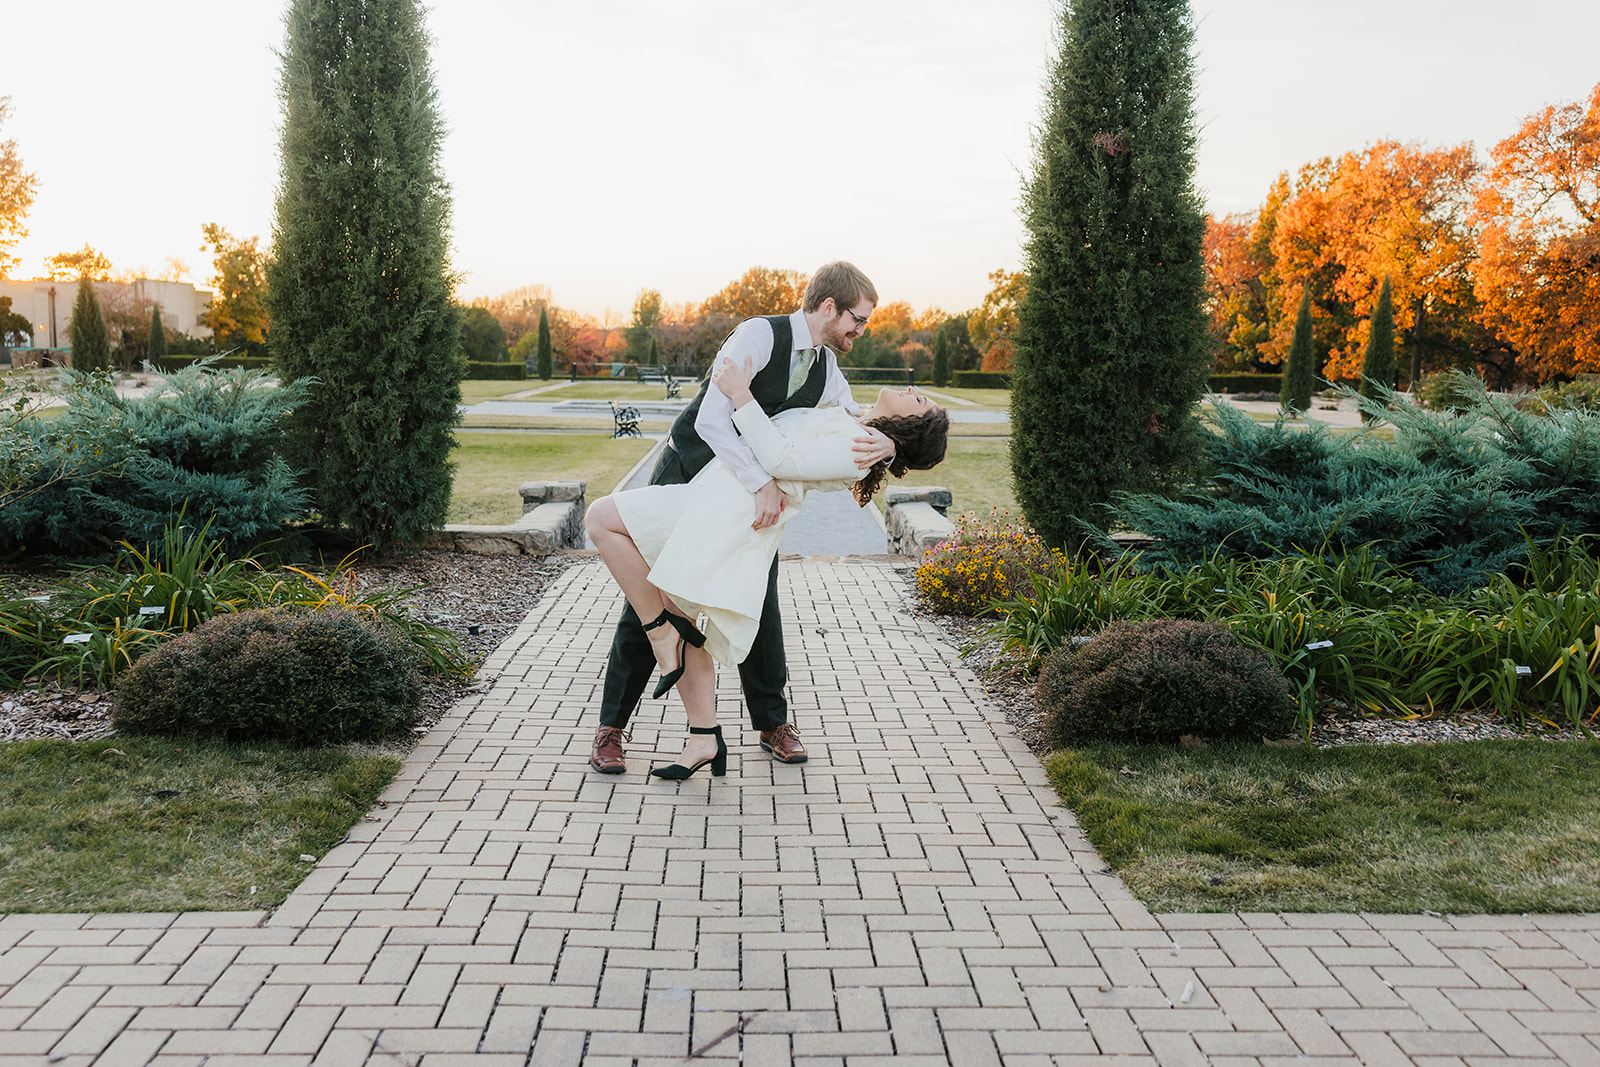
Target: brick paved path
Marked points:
911	893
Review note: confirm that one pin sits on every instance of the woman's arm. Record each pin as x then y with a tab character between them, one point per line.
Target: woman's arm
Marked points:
829	457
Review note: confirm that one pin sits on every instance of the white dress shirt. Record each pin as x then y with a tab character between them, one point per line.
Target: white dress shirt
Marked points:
752	340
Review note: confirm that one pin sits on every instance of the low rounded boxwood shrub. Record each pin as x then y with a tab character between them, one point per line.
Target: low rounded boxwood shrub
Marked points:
1158	680
305	677
1447	391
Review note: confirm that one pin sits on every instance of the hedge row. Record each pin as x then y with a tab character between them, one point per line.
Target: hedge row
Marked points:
877	375
495	372
981	379
1247	383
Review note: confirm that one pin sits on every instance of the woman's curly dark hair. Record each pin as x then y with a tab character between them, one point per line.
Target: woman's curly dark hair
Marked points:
919	443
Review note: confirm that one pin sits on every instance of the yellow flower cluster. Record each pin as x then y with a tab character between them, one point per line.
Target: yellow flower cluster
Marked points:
989	561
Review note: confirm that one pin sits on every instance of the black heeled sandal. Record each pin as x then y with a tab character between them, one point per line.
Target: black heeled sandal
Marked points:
687	635
677	772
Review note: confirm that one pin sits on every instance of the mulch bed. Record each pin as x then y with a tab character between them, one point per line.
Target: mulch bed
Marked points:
481	598
1011	689
484	598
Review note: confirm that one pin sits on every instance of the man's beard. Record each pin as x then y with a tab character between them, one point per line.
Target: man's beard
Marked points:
835	338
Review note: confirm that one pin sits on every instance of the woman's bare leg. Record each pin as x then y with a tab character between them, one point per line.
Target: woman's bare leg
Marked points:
632	574
605	528
698	691
698	686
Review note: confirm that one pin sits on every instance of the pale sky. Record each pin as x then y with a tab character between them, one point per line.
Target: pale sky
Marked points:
603	146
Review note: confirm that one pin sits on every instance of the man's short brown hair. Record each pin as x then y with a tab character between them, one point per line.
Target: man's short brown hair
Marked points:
841	281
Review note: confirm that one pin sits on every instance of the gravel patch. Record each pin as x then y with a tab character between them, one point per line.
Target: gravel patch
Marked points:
482	599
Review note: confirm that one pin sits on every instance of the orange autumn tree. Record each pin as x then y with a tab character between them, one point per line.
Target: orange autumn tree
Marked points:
1242	284
1392	210
758	291
895	315
993	326
1539	213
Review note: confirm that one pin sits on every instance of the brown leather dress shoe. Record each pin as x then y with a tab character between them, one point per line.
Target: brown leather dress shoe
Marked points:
784	744
607	754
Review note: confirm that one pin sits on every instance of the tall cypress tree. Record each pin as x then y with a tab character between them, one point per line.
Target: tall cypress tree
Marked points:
1111	352
655	354
545	365
158	337
1378	365
1300	376
91	341
359	288
941	358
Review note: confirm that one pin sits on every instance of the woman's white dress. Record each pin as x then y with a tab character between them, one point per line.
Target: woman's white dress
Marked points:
697	536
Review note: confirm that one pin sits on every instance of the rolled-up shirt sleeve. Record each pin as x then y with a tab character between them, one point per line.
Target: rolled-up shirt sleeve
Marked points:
752	340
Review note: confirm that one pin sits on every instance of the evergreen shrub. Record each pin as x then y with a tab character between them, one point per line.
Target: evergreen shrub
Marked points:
980	379
205	445
1378	369
1111	346
359	284
303	677
1455	499
543	361
941	358
1156	681
1300	371
156	346
990	560
496	372
1580	395
91	340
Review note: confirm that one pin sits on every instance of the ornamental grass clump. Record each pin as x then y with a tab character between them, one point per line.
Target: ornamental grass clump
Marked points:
1157	681
304	677
989	561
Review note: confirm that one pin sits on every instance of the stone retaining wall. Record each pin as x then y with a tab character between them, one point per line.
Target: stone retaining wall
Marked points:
552	519
915	518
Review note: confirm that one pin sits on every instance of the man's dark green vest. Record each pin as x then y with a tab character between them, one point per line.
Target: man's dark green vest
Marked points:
770	387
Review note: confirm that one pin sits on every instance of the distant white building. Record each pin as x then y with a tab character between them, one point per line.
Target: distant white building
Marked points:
48	305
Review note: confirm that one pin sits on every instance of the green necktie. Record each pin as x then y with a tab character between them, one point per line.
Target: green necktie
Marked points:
797	377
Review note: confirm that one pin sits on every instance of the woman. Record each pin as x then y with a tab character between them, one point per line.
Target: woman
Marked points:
683	552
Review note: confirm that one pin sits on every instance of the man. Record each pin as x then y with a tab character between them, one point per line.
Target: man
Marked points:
793	362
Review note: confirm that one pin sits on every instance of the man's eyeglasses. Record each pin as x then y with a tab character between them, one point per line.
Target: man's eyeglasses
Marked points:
861	323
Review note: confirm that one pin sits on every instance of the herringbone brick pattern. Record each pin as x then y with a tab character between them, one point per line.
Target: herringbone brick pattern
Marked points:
910	894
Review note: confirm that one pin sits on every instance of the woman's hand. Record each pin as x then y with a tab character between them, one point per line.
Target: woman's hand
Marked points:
872	447
734	381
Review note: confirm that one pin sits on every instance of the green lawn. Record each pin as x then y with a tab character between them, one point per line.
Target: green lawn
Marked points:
984	399
1484	826
617	389
976	470
993	399
474	391
490	466
143	824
